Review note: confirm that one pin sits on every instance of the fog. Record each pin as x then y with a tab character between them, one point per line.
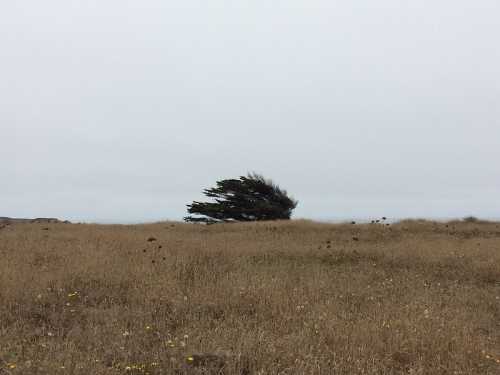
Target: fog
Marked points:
124	111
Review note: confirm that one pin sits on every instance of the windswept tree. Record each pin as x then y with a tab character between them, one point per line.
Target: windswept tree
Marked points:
249	198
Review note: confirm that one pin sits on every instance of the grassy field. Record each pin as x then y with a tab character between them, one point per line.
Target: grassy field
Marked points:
261	298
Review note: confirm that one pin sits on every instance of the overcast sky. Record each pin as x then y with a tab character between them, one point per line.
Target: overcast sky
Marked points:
123	111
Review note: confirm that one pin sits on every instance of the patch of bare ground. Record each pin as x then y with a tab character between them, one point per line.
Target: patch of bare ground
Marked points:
294	297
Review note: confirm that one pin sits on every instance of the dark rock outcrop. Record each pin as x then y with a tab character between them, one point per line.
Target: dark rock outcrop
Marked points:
44	220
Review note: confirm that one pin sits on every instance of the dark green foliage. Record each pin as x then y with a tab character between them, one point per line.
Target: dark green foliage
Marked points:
250	198
470	219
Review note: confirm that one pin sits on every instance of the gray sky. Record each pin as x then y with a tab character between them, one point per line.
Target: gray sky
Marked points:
122	111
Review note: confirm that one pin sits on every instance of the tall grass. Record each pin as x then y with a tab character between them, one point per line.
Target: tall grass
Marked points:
258	298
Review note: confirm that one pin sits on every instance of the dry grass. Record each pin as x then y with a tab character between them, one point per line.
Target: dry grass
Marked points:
268	298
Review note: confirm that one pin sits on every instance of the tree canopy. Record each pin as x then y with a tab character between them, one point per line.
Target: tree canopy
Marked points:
249	198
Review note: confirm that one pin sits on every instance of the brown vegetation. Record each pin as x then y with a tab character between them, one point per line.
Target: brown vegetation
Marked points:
257	298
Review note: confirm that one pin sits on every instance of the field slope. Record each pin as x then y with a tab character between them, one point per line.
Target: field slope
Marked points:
267	298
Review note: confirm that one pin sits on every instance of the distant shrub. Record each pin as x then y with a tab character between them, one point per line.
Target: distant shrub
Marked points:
470	219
